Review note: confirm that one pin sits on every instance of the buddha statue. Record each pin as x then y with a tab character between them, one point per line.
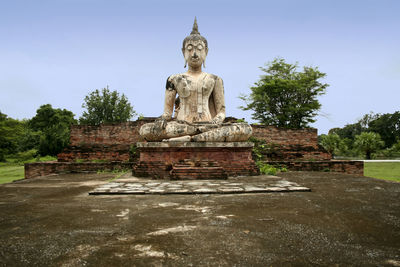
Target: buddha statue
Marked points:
200	106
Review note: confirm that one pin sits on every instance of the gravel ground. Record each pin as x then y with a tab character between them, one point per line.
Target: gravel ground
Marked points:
345	220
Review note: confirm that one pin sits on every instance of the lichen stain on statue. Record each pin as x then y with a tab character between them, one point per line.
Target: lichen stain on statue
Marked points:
200	106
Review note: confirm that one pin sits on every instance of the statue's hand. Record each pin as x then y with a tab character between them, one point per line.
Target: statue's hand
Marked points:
216	120
160	123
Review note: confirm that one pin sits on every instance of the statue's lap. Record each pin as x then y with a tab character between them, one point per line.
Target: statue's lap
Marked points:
196	132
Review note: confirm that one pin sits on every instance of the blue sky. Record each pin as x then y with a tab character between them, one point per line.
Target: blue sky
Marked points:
60	50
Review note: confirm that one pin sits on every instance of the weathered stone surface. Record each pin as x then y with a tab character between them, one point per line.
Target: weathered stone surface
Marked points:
203	187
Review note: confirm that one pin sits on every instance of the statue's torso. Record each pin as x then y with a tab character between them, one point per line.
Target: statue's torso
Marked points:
194	94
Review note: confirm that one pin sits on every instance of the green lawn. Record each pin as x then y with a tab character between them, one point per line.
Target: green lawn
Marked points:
11	172
383	170
13	169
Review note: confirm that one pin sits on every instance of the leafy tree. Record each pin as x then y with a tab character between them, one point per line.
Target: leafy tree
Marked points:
368	143
348	131
388	126
10	130
332	143
53	125
285	97
106	107
29	139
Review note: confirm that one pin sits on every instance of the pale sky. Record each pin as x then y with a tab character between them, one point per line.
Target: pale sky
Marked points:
57	51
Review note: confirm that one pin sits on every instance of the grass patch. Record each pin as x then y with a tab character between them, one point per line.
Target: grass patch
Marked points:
118	176
11	172
383	170
118	173
13	169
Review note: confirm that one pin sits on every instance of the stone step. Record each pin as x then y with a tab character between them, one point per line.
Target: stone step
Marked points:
193	170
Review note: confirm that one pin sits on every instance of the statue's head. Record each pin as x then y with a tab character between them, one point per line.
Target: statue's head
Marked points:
195	48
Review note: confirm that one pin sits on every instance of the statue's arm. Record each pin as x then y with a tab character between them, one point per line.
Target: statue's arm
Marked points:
170	94
219	101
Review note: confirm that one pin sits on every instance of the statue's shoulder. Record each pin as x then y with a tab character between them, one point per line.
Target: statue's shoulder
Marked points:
173	79
213	77
171	82
174	76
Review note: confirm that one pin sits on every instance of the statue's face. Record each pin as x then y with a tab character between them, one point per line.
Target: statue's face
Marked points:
195	53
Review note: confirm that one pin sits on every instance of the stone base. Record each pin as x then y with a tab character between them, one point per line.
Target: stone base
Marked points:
136	186
194	160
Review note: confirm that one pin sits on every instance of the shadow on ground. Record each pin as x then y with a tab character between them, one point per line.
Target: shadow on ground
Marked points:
345	220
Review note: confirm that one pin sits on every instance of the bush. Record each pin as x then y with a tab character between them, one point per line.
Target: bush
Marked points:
262	149
392	152
23	156
268	169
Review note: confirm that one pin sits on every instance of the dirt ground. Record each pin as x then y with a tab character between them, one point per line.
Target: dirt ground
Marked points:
345	220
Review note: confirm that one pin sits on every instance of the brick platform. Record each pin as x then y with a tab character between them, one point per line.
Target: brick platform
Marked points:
37	169
111	142
166	160
89	152
355	167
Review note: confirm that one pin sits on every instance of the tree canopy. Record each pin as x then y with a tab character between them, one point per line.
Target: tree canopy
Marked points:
386	125
53	125
285	97
368	143
106	107
331	143
10	130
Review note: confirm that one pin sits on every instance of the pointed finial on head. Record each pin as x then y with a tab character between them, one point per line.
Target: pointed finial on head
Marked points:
195	35
195	29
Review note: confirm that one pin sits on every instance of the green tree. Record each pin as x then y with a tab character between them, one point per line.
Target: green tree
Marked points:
331	143
10	131
53	125
368	143
285	97
388	127
348	131
106	107
29	139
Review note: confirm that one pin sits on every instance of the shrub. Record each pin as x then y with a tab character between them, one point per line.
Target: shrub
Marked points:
19	157
268	169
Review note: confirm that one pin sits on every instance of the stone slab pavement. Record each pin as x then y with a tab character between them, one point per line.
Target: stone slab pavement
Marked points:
344	221
133	185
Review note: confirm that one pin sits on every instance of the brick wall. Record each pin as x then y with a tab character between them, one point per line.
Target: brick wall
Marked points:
38	169
103	142
91	152
307	137
290	144
344	166
128	133
107	134
112	142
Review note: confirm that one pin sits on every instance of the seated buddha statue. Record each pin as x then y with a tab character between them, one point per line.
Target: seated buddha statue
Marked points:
200	106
